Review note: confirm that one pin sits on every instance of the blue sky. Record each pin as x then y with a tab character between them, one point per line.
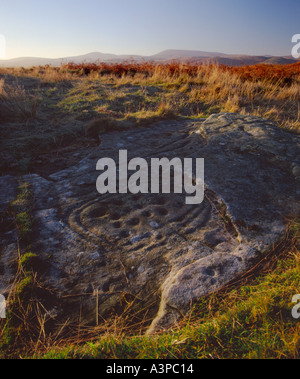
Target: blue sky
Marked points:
59	28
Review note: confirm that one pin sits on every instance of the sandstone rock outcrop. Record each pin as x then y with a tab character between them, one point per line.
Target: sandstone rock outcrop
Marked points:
153	247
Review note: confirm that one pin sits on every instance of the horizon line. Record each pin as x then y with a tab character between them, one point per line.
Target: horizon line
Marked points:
146	56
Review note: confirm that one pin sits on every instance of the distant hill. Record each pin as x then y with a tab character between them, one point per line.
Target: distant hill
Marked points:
193	56
280	60
87	58
183	55
219	58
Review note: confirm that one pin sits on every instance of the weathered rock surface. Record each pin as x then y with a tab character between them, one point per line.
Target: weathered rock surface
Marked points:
154	247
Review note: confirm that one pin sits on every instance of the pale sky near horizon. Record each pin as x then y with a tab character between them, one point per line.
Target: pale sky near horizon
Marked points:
60	28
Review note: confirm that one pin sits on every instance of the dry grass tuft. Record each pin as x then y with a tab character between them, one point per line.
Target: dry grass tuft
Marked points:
16	103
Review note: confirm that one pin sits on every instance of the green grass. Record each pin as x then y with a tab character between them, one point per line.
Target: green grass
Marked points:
21	210
29	261
14	330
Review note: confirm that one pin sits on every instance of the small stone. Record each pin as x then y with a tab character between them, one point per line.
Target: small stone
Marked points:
296	171
154	225
95	256
135	239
